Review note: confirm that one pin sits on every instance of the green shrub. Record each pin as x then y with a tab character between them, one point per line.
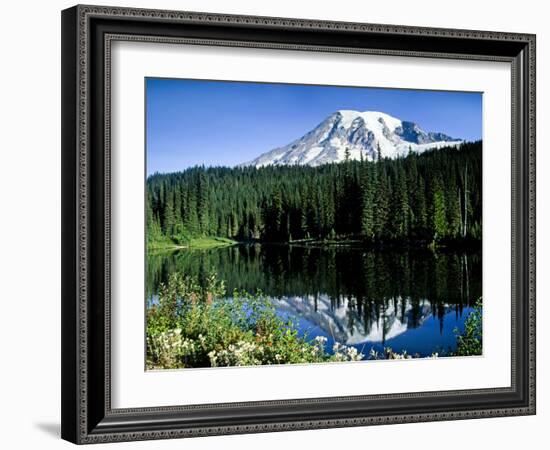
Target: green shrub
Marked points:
194	325
470	341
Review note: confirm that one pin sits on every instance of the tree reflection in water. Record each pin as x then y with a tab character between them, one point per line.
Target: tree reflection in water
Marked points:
410	300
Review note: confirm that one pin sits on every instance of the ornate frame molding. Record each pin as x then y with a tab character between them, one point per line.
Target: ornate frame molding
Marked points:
87	38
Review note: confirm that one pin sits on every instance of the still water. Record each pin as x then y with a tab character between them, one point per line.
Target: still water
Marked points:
409	301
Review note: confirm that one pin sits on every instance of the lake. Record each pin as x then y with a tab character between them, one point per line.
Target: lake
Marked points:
407	300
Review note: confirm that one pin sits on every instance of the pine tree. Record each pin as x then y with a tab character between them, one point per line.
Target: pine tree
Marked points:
378	152
191	219
202	202
420	213
168	222
381	205
400	205
439	215
453	213
153	227
368	186
466	206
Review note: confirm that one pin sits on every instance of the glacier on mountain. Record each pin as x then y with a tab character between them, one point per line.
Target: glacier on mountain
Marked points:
360	135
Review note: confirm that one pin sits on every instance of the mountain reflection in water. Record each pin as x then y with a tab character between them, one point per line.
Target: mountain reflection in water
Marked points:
409	301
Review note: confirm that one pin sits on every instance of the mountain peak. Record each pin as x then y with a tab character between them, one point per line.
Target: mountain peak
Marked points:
358	133
349	115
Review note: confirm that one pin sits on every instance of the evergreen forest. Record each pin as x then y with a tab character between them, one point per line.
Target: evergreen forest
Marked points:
433	198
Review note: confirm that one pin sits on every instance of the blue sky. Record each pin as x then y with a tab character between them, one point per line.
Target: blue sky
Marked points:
195	122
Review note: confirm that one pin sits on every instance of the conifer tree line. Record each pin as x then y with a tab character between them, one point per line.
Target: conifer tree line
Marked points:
430	197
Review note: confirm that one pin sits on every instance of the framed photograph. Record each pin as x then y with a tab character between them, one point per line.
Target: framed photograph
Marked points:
281	224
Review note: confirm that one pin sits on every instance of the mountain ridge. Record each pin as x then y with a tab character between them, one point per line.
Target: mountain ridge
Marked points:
357	135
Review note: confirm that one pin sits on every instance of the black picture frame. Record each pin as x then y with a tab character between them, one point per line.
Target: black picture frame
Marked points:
87	32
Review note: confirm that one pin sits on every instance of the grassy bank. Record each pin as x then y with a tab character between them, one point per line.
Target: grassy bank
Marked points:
195	243
162	242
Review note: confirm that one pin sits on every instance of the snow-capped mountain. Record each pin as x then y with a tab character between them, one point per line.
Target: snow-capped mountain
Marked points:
361	133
